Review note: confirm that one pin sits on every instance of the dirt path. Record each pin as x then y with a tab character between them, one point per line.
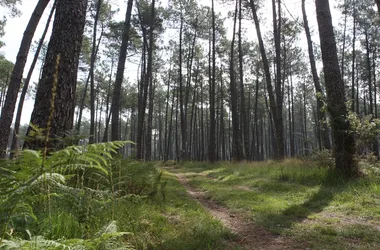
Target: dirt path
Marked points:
249	235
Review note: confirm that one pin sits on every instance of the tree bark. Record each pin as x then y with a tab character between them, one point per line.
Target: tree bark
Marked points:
321	116
237	148
69	19
16	77
212	147
243	112
344	148
275	105
92	69
15	143
115	107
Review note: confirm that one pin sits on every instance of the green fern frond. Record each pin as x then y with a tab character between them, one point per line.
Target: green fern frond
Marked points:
37	242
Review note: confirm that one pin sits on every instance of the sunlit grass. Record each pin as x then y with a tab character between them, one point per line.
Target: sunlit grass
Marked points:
296	198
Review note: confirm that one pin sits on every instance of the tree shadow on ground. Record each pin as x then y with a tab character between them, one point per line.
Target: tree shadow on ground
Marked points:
332	185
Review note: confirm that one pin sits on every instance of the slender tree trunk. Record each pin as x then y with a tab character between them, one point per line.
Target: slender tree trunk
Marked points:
278	117
83	99
353	62
108	113
92	69
15	143
181	98
167	140
212	153
344	148
149	81
344	38
115	107
368	62
321	116
243	112
148	139
6	117
274	106
237	148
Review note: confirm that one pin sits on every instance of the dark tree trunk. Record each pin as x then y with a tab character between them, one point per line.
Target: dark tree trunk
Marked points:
16	77
321	116
237	148
115	107
243	112
344	148
149	82
108	113
275	106
278	117
353	62
59	76
15	143
211	149
368	62
92	70
83	99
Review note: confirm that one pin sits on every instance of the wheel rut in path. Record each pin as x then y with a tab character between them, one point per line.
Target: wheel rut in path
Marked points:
249	235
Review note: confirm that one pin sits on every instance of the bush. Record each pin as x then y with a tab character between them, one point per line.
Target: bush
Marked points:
323	158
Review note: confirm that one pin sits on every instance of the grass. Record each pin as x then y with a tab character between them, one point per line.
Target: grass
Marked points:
296	198
178	223
171	222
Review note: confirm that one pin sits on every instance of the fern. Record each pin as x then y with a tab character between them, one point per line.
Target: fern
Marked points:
37	242
32	171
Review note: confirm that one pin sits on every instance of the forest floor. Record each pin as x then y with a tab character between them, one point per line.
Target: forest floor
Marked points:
248	234
288	205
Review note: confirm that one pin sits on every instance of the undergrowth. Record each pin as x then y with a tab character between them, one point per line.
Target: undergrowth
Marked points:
88	197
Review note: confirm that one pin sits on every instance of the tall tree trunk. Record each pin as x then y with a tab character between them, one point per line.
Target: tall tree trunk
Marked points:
15	143
274	106
167	140
146	82
278	117
148	139
344	148
344	38
353	61
181	98
237	148
368	62
92	69
243	112
6	117
321	116
211	152
59	77
115	107
149	81
84	95
108	113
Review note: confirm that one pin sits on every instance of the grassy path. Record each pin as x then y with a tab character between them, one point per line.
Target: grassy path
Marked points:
286	205
248	235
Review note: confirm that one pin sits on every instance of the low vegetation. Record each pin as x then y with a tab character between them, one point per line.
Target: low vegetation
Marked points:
86	197
83	198
296	198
